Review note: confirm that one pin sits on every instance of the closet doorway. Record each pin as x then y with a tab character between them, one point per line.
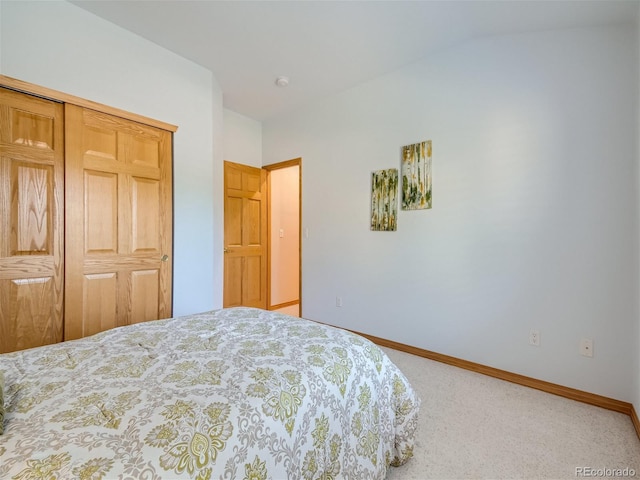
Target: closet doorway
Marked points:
284	209
85	217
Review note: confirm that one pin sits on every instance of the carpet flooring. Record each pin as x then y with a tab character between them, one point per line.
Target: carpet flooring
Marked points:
473	426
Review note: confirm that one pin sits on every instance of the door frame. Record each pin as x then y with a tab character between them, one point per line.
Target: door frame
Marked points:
269	168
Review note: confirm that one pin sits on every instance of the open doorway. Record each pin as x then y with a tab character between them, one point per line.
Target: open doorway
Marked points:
284	215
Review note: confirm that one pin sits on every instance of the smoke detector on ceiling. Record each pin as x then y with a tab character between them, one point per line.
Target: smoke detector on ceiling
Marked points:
282	81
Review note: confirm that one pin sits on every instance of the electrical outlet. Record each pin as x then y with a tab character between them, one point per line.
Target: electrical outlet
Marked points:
586	347
338	301
534	337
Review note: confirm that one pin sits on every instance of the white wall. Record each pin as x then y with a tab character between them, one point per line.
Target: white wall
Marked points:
60	46
242	139
218	196
534	220
636	379
242	143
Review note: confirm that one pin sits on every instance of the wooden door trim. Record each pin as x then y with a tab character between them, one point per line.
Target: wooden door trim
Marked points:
60	97
269	168
284	305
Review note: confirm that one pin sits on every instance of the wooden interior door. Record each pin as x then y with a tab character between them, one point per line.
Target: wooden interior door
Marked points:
245	236
31	221
118	222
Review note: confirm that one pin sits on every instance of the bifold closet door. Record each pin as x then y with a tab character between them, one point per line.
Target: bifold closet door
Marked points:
31	221
118	222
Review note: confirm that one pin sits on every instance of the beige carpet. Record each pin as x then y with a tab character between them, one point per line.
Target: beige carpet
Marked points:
478	427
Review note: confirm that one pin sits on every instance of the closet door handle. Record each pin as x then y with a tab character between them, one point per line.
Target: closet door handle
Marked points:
164	258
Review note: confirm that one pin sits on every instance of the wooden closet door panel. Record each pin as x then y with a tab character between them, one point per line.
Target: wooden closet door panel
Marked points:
31	221
99	302
119	222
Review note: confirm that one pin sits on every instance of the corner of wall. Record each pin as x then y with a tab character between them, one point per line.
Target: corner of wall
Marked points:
636	401
242	139
218	192
2	41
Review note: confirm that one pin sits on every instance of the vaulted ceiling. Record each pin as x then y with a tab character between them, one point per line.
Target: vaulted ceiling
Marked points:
328	46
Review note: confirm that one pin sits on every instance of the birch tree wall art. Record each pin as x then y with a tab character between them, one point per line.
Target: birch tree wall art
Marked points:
416	176
384	200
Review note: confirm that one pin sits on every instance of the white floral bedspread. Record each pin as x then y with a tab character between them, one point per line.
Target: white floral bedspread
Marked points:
232	394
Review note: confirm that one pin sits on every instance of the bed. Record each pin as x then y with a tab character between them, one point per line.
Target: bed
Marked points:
237	393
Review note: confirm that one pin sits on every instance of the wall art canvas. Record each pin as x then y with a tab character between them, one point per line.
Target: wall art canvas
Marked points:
384	200
416	176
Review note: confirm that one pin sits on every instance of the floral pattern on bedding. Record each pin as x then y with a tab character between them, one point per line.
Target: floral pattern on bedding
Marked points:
232	394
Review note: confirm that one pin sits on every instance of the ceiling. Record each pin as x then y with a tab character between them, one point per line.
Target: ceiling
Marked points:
328	46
